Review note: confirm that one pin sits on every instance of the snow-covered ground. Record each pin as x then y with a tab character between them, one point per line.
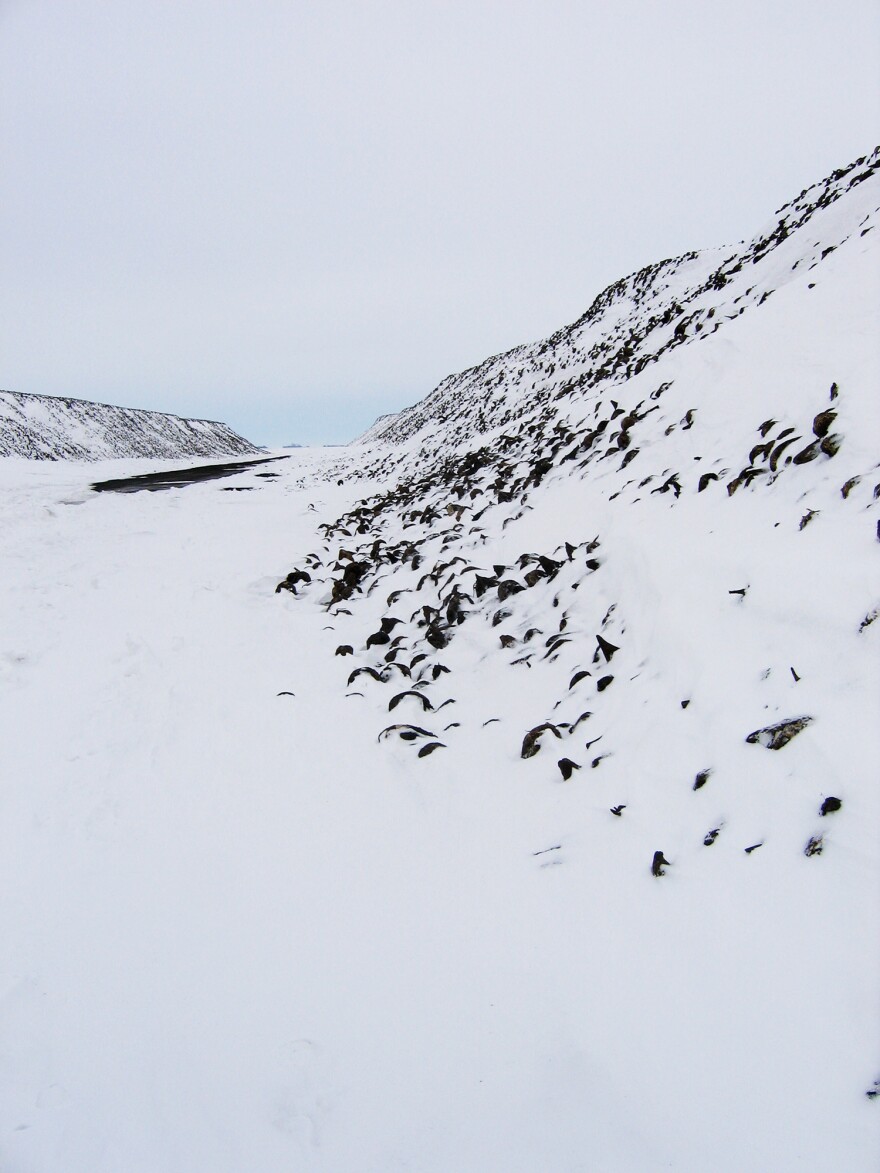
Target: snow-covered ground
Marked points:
240	934
357	877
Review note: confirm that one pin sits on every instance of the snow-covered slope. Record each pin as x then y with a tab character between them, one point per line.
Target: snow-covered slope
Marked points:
43	427
641	318
653	582
487	800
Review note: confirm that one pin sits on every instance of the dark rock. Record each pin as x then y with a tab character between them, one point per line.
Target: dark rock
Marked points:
430	747
366	671
482	584
400	730
395	700
659	863
289	583
607	649
823	422
870	617
548	565
807	518
298	576
345	650
509	587
849	486
436	637
780	734
830	805
701	779
567	768
807	454
711	836
531	742
814	845
602	684
779	449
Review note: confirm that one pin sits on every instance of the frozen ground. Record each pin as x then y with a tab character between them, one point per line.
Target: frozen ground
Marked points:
265	907
239	934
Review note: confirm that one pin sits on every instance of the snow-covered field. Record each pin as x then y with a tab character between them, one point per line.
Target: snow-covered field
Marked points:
357	877
240	934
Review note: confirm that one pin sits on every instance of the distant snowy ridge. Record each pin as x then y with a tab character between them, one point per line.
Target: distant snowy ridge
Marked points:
42	427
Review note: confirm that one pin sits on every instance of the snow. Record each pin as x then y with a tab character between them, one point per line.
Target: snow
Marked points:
47	427
244	931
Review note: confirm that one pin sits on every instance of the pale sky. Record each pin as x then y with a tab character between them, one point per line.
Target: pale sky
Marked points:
296	216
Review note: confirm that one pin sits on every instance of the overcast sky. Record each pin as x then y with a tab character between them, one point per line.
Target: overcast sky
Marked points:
294	216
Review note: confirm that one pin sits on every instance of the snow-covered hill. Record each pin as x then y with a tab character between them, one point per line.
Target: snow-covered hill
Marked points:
746	430
496	794
641	318
43	427
639	561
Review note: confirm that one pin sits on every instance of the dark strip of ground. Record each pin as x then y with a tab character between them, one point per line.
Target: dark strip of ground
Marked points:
174	478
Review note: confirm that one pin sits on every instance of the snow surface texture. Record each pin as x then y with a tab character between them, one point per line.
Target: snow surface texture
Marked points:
622	916
42	427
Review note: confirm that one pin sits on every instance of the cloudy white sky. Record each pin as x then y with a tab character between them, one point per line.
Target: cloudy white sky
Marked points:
296	214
